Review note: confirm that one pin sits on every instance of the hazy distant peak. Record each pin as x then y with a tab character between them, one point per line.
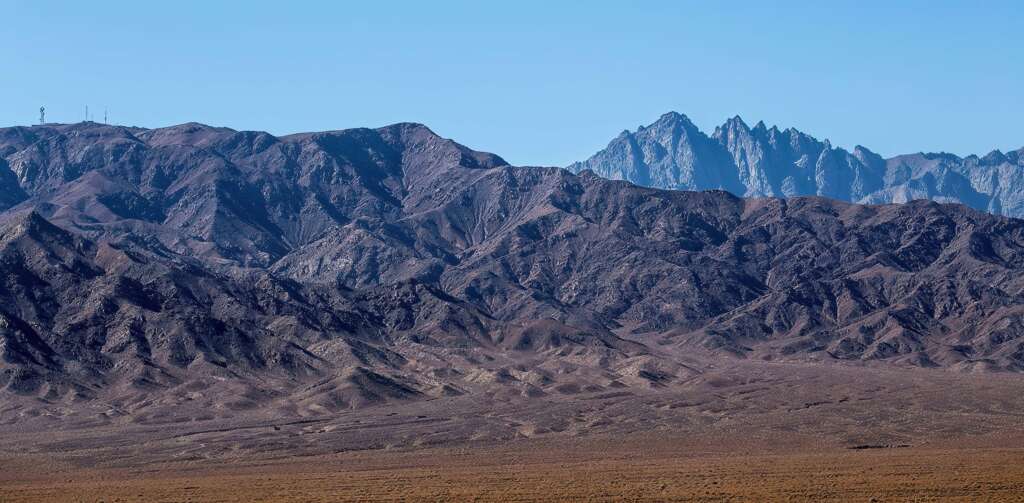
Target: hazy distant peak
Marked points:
768	162
673	116
994	157
736	123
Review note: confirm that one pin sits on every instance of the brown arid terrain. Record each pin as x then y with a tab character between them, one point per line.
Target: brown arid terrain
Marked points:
751	431
197	313
556	472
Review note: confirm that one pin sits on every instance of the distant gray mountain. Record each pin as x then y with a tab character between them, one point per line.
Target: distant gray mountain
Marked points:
673	153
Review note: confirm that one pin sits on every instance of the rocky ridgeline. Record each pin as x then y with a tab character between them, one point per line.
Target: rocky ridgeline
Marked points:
351	267
672	153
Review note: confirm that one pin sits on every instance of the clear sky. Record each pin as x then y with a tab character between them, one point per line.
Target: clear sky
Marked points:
538	82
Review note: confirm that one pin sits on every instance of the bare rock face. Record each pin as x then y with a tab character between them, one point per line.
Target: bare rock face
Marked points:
355	267
760	161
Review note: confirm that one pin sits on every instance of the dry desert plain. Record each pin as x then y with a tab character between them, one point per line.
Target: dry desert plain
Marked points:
745	431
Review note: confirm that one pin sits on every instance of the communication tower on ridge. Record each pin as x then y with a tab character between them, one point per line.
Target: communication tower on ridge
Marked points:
42	115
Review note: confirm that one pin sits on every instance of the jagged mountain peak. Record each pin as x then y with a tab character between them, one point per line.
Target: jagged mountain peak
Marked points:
667	122
735	125
863	149
994	157
670	152
736	121
673	117
763	161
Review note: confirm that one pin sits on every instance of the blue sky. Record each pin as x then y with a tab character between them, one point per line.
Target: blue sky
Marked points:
537	82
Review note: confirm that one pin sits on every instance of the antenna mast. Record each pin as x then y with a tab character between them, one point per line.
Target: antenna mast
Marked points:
42	115
104	115
87	113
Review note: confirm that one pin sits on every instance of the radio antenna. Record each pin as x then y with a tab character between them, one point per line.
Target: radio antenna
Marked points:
42	115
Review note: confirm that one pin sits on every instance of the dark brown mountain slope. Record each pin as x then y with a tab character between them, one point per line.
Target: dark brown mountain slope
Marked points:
352	267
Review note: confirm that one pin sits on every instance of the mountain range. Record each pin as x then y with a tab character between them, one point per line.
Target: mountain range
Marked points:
672	153
354	267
